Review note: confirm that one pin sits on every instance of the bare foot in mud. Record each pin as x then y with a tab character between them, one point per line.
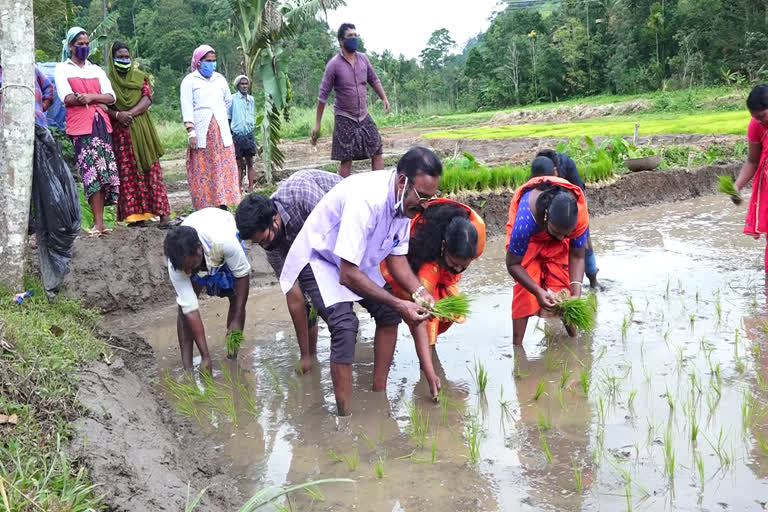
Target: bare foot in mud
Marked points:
571	330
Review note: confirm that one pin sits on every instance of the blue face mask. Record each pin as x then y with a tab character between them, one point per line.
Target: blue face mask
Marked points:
350	44
207	68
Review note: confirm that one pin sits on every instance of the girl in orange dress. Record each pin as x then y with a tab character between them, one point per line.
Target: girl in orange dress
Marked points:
445	238
547	233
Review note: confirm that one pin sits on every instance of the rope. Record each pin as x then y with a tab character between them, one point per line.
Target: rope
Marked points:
18	86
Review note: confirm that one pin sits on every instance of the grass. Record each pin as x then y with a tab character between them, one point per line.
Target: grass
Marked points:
86	214
451	307
378	468
545	447
419	424
729	123
725	186
234	340
579	312
577	477
42	346
473	434
480	374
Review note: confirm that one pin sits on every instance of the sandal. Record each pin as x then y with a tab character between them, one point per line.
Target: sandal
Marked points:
94	233
170	224
106	231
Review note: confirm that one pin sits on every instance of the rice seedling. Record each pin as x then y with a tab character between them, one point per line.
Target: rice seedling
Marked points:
628	494
579	312
297	364
545	447
368	441
669	455
480	374
539	389
761	383
352	460
516	369
631	305
601	412
631	400
680	358
718	307
694	426
334	456
720	450
751	411
713	401
505	407
561	398
695	386
584	377
577	477
666	293
433	457
419	425
234	340
552	360
564	375
697	296
378	467
756	350
473	434
670	400
315	493
700	468
275	378
692	319
451	307
725	186
442	400
545	422
666	334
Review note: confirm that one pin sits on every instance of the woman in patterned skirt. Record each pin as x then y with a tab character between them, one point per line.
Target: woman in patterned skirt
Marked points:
211	165
136	143
85	89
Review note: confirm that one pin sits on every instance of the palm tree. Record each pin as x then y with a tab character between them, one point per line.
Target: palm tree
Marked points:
261	25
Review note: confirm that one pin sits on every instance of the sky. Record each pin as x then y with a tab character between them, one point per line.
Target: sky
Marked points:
404	26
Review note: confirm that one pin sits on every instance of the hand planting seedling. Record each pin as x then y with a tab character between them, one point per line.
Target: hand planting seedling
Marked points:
451	307
725	186
234	340
578	312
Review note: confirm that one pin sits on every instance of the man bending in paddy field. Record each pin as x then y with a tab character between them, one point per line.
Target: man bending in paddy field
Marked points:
274	223
336	255
205	253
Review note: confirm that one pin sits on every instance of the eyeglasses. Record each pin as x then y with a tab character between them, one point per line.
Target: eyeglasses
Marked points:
423	199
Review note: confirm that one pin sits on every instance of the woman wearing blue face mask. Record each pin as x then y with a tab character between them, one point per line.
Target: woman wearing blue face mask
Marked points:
86	91
212	171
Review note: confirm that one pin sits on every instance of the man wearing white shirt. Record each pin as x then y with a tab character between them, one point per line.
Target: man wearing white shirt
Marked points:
205	252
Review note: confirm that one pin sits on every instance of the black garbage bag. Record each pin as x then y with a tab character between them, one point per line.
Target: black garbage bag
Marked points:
56	209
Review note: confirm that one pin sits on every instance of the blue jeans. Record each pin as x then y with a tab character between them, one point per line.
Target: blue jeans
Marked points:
590	264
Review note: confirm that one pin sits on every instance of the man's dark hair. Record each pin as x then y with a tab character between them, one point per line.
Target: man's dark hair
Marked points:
254	213
419	159
542	166
343	29
180	242
119	45
758	98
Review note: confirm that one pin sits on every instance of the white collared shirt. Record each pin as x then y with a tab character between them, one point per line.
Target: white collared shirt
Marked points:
203	99
217	232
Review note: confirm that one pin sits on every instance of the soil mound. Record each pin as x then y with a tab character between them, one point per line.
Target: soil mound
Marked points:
571	113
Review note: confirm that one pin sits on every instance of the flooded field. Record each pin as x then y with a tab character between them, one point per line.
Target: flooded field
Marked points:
663	407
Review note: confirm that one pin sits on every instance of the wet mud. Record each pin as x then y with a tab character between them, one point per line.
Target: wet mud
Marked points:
680	342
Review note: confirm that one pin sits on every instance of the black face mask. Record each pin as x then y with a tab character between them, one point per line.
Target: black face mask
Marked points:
278	236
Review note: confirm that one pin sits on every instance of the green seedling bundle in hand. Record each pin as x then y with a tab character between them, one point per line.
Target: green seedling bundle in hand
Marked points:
578	312
451	307
234	340
725	186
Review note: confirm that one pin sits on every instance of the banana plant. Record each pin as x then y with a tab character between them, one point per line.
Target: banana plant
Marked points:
260	26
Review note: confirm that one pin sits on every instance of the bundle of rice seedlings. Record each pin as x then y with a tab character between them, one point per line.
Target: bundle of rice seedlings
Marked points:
234	340
451	307
725	186
578	312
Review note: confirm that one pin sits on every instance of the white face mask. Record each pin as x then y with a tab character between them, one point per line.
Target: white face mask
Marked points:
399	204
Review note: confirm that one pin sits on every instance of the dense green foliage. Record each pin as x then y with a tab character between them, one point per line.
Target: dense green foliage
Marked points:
557	50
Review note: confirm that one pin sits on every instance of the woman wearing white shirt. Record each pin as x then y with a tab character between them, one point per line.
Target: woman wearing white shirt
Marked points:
211	165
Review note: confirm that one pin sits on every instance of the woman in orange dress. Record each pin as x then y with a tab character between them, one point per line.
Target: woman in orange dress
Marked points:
547	233
445	238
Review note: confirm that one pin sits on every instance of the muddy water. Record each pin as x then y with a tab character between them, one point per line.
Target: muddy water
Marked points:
649	377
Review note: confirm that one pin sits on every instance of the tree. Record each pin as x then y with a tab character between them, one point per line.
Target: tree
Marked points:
438	47
17	118
261	25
